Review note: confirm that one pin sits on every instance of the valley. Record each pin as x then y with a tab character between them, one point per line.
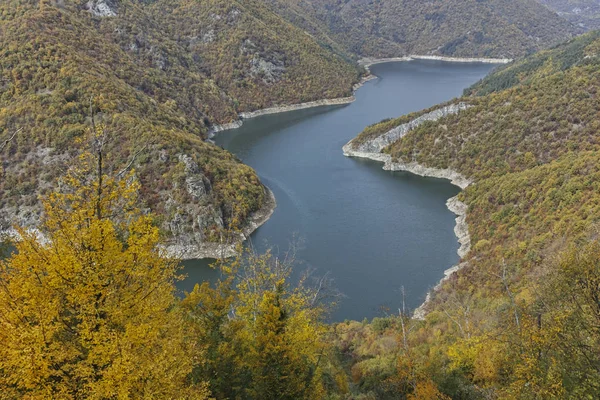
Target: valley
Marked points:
242	199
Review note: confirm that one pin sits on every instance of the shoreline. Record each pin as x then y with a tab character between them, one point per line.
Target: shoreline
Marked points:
364	62
205	250
454	205
214	129
215	250
367	61
192	251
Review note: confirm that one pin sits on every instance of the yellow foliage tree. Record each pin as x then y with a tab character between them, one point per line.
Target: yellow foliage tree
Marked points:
263	338
89	310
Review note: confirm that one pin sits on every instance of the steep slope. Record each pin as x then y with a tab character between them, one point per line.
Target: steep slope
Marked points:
155	80
584	13
530	144
385	28
258	58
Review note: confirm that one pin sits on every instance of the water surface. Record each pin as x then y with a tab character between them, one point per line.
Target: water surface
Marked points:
373	231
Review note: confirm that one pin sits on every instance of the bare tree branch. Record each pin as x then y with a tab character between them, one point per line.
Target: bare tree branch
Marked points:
10	139
124	170
504	279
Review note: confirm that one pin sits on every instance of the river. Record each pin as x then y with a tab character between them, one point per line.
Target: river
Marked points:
371	230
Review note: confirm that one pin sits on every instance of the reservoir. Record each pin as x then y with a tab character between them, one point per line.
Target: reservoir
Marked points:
372	231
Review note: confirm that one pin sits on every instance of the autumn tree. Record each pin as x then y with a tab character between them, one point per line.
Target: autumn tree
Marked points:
556	350
263	338
87	305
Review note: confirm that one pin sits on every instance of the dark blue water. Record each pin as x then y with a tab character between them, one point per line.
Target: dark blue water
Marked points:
373	231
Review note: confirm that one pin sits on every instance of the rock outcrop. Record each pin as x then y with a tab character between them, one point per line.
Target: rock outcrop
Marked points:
186	246
102	8
378	144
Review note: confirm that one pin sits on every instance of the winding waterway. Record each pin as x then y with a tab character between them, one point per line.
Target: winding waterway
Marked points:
373	231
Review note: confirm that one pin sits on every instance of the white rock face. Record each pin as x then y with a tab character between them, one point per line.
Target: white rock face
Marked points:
102	8
269	71
367	62
193	249
461	230
378	144
197	184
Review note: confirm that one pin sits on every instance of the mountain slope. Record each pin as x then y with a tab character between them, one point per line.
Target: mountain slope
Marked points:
157	74
385	28
530	142
584	13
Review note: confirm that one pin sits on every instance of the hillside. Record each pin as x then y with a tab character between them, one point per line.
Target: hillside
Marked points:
161	72
156	75
584	13
530	143
385	28
92	310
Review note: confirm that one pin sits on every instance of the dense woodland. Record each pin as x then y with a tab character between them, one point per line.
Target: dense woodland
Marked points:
104	111
156	75
467	28
520	319
92	313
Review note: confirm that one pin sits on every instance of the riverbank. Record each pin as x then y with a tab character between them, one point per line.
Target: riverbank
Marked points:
364	62
193	251
198	251
292	107
367	62
372	150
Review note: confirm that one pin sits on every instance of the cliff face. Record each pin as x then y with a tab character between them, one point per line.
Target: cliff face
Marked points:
377	144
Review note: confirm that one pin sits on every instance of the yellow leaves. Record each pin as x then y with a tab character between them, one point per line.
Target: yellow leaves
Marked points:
263	337
481	244
90	311
479	357
427	390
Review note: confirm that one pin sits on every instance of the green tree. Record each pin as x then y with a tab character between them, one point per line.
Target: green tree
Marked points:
262	337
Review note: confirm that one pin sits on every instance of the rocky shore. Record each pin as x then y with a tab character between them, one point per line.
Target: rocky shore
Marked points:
190	251
293	107
364	62
367	62
223	250
372	150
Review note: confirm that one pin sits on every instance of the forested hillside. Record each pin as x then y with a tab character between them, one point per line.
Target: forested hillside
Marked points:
519	320
104	111
155	75
386	28
584	13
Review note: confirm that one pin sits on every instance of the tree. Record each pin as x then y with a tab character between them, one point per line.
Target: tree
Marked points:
556	353
88	310
262	337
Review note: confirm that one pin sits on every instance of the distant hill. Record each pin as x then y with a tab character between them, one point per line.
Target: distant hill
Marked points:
469	28
583	13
